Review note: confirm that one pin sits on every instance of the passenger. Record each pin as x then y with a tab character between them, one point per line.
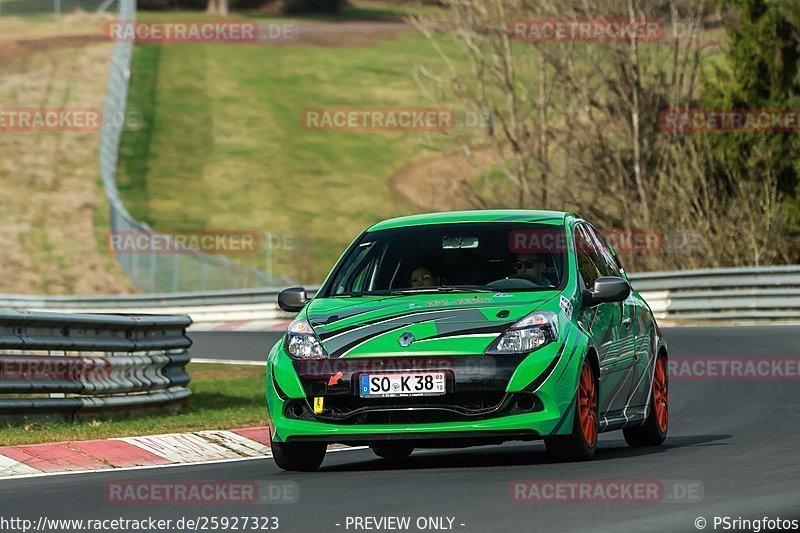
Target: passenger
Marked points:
423	277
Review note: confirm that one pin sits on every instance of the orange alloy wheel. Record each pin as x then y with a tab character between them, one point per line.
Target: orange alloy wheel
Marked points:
660	393
587	404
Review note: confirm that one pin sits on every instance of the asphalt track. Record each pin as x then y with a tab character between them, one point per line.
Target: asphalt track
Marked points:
737	440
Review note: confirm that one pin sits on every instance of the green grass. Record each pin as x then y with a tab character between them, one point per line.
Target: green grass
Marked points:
223	397
223	145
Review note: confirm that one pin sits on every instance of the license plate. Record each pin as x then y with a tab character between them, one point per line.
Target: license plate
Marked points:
407	384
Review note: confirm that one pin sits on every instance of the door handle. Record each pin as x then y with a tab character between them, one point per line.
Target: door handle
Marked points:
626	322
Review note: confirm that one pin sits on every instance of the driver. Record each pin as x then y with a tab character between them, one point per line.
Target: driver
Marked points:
531	267
423	277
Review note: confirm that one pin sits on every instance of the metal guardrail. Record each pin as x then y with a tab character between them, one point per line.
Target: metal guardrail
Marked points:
73	364
709	294
780	276
180	299
203	307
723	294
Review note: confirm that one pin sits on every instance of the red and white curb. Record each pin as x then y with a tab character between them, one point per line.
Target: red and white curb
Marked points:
136	452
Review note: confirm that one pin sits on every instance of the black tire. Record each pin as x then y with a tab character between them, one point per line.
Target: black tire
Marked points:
298	456
574	447
650	433
392	451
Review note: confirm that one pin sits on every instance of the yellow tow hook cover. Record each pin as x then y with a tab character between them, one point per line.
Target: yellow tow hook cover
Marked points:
319	405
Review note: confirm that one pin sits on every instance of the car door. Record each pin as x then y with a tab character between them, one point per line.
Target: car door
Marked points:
630	332
643	330
604	323
645	351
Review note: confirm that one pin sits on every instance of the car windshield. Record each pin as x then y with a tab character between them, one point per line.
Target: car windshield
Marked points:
468	257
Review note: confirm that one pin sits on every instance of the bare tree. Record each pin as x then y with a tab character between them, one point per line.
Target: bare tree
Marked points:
611	94
218	7
573	121
503	87
735	222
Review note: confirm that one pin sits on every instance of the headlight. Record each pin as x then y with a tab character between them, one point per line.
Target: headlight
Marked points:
530	333
302	342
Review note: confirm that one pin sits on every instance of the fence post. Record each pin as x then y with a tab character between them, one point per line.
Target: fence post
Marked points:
268	251
203	271
154	261
176	265
104	6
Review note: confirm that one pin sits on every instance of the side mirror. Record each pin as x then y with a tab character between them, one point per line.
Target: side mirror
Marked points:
292	299
607	289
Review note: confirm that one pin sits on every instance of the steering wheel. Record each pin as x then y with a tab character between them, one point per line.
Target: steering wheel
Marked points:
512	283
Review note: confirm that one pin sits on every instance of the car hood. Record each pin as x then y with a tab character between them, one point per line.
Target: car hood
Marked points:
435	324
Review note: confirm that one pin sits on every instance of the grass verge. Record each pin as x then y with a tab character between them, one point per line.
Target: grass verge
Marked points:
224	146
223	397
53	212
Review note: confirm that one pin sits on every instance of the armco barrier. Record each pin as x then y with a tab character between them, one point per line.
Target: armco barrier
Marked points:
723	294
71	364
755	293
203	307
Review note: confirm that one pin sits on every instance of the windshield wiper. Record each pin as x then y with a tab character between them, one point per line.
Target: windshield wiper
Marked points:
384	292
442	288
416	290
463	288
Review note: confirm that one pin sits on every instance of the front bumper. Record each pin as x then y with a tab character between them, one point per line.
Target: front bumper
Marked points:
499	429
488	399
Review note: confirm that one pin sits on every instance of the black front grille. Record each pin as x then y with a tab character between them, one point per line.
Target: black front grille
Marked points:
348	409
467	402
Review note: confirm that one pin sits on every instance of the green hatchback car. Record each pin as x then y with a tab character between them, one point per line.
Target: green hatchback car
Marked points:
468	328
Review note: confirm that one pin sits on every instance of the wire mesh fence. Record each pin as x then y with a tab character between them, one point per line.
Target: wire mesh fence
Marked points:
181	269
54	8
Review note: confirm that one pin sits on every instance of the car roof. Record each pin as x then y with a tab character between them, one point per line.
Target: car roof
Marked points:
555	218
